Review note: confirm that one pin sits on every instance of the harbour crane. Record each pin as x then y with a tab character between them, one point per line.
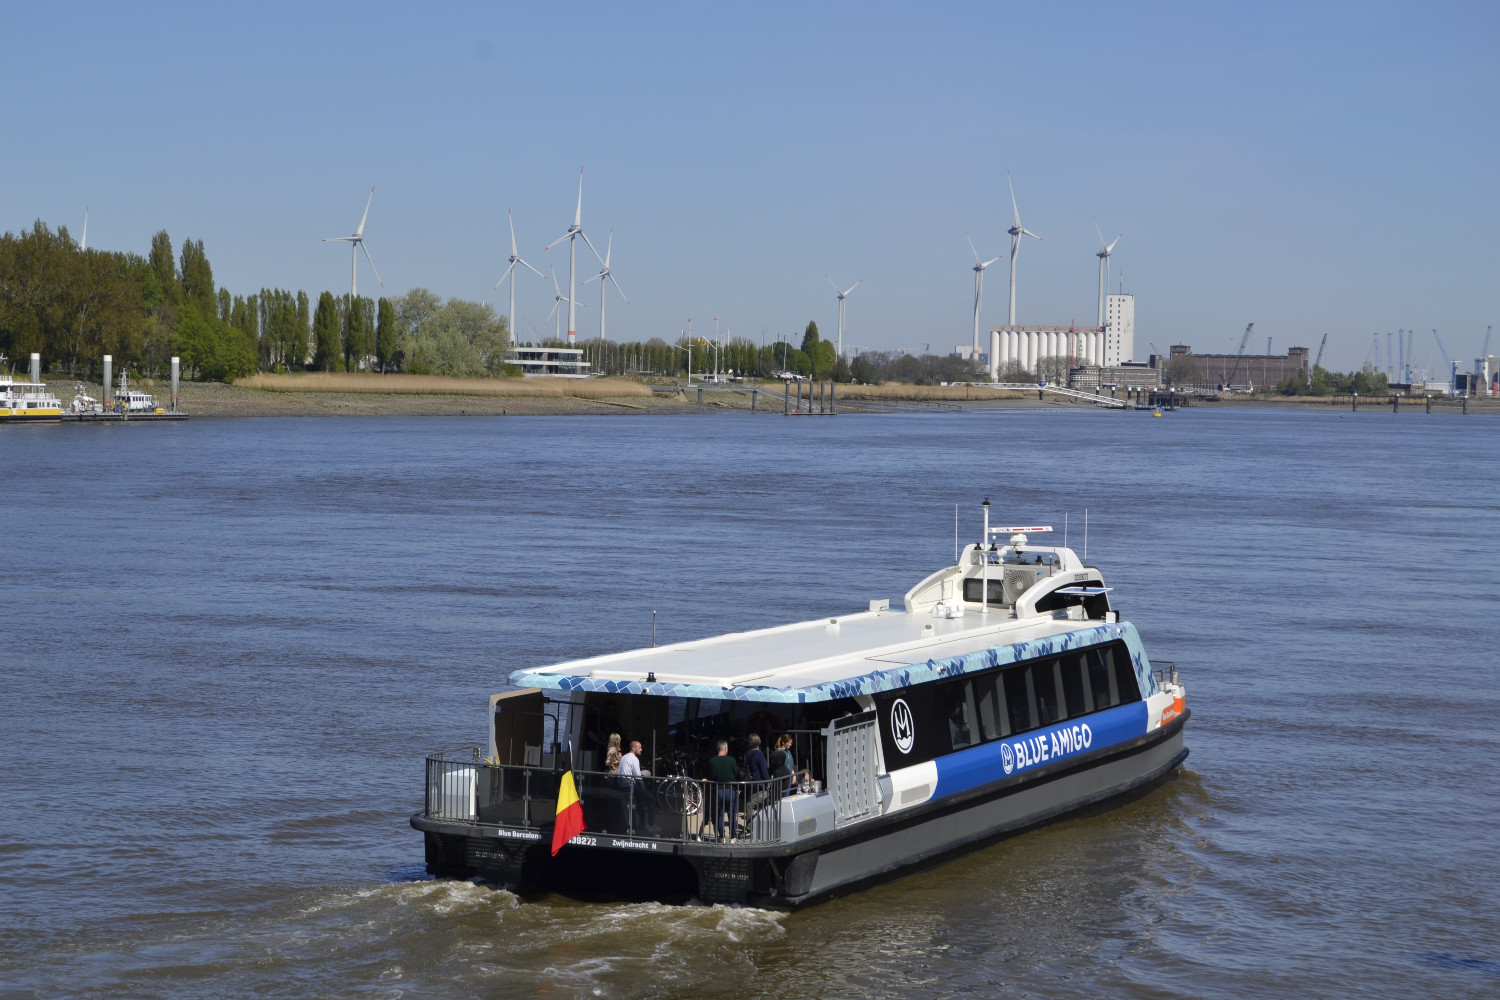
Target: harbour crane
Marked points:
1321	348
1229	385
1449	366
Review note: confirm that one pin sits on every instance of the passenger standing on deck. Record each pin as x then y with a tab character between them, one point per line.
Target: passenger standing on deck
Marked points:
612	756
782	763
724	771
760	771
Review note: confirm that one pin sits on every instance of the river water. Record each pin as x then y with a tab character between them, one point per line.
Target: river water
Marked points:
228	645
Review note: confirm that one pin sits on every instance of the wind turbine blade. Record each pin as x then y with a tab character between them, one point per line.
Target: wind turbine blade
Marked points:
591	247
85	244
340	239
992	260
612	281
371	260
845	293
555	242
1027	232
533	270
1111	248
971	248
512	219
578	215
609	247
361	230
555	303
504	276
595	277
835	287
1013	206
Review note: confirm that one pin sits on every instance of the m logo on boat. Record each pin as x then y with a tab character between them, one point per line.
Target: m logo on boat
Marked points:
903	726
1007	758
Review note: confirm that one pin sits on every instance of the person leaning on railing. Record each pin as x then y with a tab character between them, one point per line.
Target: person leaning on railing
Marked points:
724	772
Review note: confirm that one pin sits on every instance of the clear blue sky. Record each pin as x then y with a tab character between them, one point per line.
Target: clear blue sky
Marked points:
1313	168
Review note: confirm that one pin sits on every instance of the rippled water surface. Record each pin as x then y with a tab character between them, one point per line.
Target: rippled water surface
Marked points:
229	644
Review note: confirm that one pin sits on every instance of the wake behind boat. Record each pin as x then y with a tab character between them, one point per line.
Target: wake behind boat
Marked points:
1006	693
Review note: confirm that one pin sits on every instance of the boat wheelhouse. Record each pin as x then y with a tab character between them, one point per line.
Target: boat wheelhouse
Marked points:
1005	693
128	400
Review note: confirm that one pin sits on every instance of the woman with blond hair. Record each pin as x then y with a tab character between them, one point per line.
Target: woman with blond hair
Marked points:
612	755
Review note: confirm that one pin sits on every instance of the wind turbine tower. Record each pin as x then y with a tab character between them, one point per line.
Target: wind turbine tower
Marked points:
842	296
356	244
979	266
557	300
510	272
1016	232
572	235
1105	249
84	245
605	278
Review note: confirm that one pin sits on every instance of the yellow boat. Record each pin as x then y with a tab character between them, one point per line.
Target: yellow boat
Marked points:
27	401
1156	412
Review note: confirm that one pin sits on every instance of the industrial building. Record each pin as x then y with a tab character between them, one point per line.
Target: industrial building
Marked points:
1128	376
558	362
1243	372
1109	345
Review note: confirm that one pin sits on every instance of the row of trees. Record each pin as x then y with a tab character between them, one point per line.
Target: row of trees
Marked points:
73	306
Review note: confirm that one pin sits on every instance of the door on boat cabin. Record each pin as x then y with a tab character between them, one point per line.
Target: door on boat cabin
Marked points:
516	727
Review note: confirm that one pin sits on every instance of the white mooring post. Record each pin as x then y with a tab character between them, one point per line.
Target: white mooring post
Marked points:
36	368
104	397
176	372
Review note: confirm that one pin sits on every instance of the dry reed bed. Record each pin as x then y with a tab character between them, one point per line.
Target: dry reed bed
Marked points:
900	391
604	388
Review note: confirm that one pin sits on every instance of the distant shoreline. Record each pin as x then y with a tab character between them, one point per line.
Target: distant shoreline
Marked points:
361	395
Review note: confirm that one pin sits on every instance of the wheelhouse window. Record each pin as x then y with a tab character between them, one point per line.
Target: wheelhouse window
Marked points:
974	590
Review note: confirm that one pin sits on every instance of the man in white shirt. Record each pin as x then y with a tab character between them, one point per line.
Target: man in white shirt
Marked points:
630	764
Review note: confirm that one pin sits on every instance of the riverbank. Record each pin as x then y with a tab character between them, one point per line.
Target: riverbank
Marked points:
358	394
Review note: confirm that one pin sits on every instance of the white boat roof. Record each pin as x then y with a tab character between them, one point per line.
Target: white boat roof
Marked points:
828	658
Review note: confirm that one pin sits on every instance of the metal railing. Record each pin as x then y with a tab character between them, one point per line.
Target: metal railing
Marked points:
462	787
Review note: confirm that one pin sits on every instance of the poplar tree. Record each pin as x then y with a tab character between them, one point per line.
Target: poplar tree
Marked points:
301	346
385	335
197	278
810	341
163	265
326	333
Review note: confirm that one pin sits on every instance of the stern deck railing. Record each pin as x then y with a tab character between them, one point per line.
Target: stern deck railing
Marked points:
463	788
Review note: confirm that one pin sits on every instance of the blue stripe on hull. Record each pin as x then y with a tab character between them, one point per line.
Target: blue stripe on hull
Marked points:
981	765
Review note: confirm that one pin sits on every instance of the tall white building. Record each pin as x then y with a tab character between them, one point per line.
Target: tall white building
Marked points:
1119	328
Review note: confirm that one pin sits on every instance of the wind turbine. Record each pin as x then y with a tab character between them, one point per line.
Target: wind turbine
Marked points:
979	266
557	301
574	231
85	244
356	244
1103	255
604	277
514	258
1016	232
842	296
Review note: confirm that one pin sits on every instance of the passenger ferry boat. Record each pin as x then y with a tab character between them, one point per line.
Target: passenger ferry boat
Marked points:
27	402
1007	692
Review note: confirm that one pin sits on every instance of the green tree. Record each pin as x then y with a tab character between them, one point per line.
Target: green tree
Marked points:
810	341
300	348
164	266
197	278
325	325
385	335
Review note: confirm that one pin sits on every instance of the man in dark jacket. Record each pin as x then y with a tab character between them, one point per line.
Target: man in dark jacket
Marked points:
724	772
760	771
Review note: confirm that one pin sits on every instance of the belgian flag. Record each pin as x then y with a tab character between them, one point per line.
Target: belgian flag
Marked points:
569	823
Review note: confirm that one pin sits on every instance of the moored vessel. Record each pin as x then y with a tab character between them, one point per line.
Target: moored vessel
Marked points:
1006	692
27	402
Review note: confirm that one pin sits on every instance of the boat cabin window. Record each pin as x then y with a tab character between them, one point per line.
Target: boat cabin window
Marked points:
974	590
998	704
